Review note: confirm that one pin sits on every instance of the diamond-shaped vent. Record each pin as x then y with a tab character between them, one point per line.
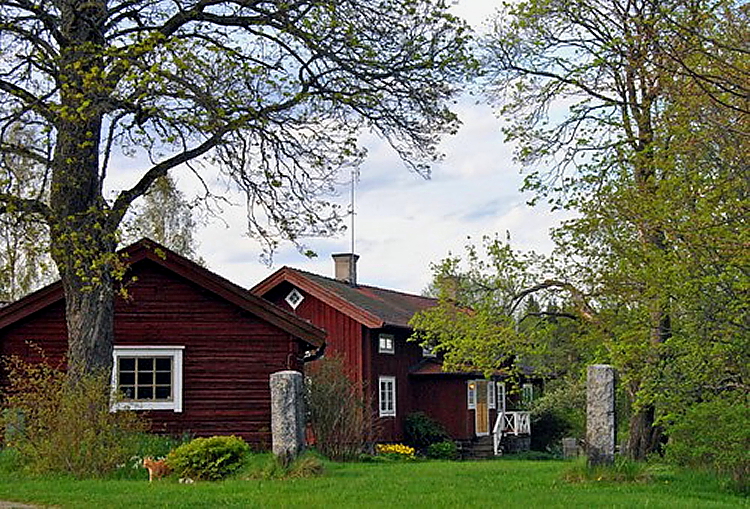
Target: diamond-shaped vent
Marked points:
294	298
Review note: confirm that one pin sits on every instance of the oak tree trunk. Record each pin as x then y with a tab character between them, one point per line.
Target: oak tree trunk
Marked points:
83	235
90	319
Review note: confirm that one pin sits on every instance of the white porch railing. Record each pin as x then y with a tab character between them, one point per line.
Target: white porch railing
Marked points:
510	423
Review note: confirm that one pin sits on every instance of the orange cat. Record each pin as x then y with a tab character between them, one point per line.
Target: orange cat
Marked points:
156	468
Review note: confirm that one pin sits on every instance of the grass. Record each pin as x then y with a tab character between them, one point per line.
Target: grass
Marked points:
506	483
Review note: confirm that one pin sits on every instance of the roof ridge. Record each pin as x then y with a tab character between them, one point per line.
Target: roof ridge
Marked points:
400	292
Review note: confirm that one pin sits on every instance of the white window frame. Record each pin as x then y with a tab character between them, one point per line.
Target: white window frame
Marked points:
294	298
175	352
428	352
527	394
471	394
387	384
500	391
491	395
388	339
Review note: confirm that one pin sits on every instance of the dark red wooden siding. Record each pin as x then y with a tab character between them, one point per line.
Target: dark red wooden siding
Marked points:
397	364
228	356
444	399
344	334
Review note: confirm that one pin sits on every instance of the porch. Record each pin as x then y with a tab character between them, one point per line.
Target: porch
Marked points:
511	433
509	424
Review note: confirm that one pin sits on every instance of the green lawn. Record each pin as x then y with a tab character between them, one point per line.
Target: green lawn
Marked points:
489	484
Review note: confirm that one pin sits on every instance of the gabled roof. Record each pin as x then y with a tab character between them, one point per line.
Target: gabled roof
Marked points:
369	305
146	249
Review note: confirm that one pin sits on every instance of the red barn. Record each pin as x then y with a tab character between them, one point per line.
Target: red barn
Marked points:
369	328
192	349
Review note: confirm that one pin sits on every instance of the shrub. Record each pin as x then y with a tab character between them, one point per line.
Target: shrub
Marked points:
340	411
559	412
421	430
714	435
549	428
446	450
57	426
208	459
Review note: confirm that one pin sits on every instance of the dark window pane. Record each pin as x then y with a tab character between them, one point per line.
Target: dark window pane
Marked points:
145	364
164	364
127	364
164	378
145	393
127	378
145	378
127	392
163	392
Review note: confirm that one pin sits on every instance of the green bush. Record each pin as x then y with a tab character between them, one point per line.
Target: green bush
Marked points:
421	430
208	459
446	450
56	425
549	428
714	435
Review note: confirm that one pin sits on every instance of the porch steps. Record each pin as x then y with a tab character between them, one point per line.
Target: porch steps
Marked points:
481	448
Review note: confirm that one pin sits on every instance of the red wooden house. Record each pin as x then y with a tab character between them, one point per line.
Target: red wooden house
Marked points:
369	328
192	349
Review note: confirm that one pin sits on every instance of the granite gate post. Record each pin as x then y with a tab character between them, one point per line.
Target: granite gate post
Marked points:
600	414
287	415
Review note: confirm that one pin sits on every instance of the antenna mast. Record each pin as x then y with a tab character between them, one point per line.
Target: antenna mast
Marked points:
354	183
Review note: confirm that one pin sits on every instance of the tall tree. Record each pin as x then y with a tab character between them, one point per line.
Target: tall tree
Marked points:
274	93
25	263
166	217
607	102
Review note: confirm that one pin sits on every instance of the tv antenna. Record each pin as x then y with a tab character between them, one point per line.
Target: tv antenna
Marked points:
355	178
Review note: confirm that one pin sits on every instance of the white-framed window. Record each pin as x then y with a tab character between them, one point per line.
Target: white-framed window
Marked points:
387	396
527	393
501	396
471	394
491	397
428	351
147	378
294	298
386	343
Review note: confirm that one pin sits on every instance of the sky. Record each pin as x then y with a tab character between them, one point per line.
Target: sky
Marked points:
403	222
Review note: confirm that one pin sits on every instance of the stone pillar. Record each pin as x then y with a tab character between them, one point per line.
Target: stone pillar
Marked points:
570	447
600	415
287	415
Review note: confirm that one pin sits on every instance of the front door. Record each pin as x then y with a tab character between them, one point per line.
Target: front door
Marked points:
482	412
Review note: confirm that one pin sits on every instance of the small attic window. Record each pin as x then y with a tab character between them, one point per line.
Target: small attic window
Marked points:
294	298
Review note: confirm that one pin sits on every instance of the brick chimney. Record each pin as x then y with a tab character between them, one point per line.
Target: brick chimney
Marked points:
345	265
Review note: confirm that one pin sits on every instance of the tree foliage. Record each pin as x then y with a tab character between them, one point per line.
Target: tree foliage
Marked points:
164	216
635	116
273	94
493	313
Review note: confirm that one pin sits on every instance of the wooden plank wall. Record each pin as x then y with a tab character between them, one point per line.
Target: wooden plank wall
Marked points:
344	334
228	356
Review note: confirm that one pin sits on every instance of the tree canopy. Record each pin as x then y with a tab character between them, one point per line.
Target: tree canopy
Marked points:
635	116
272	93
